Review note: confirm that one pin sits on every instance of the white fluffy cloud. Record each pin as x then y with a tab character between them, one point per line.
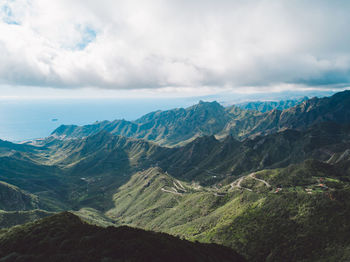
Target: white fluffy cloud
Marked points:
128	44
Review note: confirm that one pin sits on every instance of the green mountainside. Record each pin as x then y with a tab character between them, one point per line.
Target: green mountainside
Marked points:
77	173
44	181
12	198
291	214
208	160
311	112
64	237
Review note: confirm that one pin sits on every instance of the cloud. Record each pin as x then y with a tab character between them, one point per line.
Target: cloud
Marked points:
180	44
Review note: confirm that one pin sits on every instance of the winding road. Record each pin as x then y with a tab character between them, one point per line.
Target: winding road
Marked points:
237	183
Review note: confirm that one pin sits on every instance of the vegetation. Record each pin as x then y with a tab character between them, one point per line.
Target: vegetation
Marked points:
13	198
78	173
64	237
290	218
12	218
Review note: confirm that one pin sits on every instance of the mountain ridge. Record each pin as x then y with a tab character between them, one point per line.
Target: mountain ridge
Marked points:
165	127
180	126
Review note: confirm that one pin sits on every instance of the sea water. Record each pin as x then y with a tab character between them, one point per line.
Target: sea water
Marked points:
29	119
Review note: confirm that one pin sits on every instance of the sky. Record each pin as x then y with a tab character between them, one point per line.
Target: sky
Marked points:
177	48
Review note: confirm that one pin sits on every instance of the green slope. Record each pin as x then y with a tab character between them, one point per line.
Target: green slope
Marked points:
46	182
287	219
12	198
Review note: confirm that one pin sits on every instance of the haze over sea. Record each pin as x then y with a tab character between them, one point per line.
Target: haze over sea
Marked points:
29	119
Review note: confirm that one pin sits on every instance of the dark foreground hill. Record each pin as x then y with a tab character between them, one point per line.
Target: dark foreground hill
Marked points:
64	237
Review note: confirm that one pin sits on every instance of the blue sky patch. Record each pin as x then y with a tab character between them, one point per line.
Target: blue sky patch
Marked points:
8	15
88	36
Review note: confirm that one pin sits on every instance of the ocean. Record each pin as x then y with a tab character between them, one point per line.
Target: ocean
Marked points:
29	119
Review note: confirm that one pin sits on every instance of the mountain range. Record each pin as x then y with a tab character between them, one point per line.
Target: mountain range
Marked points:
179	126
273	186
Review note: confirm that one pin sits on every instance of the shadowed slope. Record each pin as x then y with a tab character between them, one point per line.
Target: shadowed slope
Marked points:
64	237
12	198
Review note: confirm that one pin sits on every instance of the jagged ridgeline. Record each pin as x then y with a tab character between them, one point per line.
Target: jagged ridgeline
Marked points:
273	186
179	126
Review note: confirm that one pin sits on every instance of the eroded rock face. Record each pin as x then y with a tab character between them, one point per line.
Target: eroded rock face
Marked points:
14	199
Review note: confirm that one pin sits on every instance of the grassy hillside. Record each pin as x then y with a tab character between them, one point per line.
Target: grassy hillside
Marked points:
64	237
298	213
